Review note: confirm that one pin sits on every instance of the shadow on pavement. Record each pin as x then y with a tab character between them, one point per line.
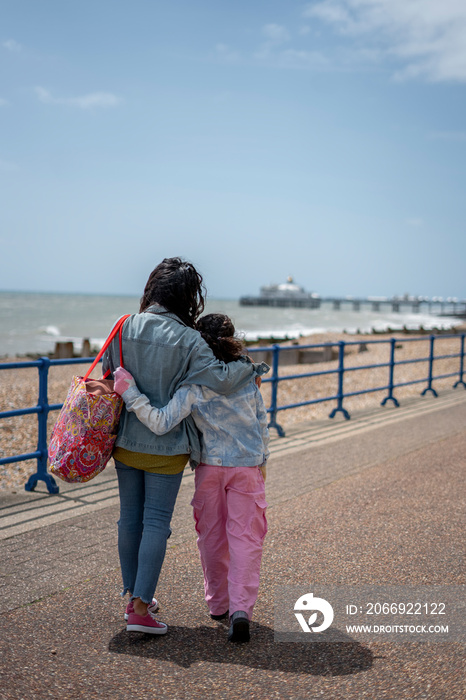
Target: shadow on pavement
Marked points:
185	646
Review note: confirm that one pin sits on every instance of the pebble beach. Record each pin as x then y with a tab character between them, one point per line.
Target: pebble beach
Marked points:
19	388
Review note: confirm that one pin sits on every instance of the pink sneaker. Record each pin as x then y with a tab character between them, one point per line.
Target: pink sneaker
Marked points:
153	607
147	624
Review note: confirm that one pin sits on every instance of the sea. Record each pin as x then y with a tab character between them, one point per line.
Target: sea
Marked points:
31	323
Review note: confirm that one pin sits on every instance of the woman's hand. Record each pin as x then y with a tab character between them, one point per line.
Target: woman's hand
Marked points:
123	380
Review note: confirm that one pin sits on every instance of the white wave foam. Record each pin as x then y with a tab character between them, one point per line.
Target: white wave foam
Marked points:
367	326
50	330
280	333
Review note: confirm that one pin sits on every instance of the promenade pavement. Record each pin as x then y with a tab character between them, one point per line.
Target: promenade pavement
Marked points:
375	500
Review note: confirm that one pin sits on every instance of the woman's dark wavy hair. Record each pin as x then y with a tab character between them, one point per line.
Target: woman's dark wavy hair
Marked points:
219	333
178	286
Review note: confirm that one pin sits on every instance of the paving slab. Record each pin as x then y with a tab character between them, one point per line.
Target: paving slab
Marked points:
366	501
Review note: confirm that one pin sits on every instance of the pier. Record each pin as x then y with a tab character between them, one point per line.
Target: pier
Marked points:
434	305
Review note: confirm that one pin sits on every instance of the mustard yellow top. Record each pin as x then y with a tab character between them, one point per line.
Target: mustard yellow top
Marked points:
158	464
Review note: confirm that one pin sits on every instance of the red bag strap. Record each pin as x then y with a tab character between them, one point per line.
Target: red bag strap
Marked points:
118	328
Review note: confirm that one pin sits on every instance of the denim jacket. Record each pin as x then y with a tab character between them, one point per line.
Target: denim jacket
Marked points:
233	428
162	354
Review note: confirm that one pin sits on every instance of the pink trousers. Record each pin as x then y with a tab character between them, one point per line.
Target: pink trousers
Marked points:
229	512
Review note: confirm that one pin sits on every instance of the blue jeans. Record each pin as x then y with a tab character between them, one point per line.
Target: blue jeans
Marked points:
147	501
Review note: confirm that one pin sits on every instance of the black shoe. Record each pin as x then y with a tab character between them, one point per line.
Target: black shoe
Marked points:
239	627
223	616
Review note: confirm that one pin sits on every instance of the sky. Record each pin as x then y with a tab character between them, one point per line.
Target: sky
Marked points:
258	139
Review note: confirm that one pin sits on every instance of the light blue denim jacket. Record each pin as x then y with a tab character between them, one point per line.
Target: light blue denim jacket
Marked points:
162	354
233	428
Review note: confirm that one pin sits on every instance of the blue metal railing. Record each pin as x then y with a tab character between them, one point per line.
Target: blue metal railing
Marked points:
43	407
341	369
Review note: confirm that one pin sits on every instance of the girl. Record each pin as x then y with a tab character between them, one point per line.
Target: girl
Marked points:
229	501
163	351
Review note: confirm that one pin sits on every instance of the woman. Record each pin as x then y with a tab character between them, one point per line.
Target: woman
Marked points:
162	351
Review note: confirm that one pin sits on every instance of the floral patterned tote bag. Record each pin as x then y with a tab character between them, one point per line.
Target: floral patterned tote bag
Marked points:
86	429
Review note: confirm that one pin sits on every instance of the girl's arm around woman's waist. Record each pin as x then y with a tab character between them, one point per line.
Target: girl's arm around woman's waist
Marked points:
158	420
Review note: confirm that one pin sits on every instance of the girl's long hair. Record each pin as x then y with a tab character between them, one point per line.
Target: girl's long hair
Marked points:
219	333
178	286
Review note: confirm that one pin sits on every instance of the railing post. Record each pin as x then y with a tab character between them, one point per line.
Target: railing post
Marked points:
43	405
460	380
431	366
390	396
273	402
341	371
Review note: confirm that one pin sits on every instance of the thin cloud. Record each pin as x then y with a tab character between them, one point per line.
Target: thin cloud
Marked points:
12	45
276	33
278	50
427	36
226	53
93	99
294	58
332	11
